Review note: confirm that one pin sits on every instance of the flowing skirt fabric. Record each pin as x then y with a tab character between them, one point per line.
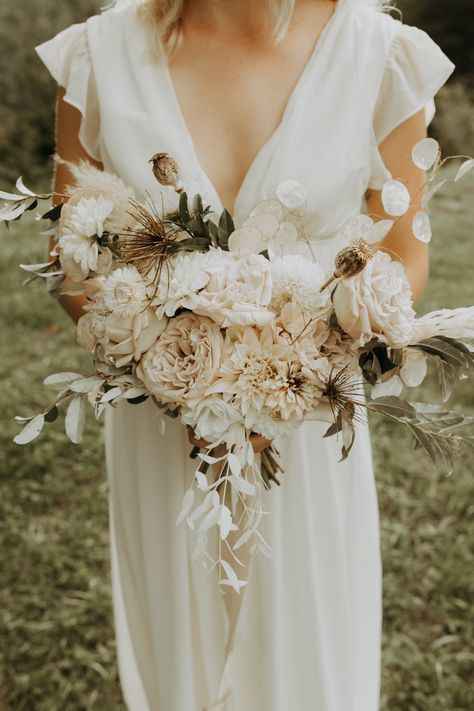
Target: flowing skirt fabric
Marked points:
309	634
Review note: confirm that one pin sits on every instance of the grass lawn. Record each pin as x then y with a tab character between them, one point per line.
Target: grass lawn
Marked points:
57	650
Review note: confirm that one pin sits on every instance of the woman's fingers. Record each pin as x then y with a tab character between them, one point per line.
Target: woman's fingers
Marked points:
259	443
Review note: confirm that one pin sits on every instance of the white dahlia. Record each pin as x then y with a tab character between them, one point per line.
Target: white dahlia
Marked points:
180	282
297	280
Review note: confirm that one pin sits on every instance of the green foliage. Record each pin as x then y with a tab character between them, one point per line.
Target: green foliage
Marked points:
26	89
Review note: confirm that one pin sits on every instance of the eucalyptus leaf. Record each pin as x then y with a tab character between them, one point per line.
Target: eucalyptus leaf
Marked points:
75	419
30	431
54	213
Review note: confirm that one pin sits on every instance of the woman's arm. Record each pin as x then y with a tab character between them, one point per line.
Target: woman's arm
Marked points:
68	147
400	243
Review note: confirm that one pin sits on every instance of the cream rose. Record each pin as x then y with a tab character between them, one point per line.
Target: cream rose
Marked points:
378	301
211	418
238	292
183	363
123	338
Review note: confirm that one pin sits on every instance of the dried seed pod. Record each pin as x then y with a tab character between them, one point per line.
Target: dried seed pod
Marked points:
350	261
166	170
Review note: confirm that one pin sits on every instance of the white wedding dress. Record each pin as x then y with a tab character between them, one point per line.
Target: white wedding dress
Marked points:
309	635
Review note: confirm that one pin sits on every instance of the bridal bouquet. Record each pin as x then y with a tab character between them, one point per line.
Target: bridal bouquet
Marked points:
239	330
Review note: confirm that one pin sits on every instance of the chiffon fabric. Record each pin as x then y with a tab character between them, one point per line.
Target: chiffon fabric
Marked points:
309	635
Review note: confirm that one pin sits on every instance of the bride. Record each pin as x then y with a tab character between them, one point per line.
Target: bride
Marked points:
244	94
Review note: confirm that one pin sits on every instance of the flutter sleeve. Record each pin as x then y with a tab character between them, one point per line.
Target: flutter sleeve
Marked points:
416	68
67	57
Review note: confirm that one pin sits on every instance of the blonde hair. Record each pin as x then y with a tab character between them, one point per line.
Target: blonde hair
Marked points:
166	16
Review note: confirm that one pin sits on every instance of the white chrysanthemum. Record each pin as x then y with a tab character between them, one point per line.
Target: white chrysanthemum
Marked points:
88	217
180	282
125	292
296	280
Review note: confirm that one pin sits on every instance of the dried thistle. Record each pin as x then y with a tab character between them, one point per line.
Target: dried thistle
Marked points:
149	245
341	392
166	171
350	261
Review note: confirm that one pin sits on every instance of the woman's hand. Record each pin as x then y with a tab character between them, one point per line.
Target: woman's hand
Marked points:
259	443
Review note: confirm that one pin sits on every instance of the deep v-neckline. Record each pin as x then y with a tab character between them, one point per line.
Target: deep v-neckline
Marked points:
287	111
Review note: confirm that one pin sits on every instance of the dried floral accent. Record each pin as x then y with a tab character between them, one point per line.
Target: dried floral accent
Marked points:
166	171
350	261
148	245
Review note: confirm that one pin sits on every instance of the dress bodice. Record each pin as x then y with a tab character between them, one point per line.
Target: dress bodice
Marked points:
368	72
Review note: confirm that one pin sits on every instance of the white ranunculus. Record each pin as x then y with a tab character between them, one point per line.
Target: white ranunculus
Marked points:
238	292
183	363
296	280
376	302
211	418
180	281
125	292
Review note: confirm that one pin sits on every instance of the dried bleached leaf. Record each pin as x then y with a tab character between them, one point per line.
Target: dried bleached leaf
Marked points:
75	419
395	198
425	153
421	227
432	191
31	430
464	169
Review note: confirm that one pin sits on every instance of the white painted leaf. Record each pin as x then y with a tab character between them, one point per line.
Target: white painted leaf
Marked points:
75	419
287	234
432	191
232	578
133	393
210	519
291	194
7	214
226	525
265	222
111	395
395	198
421	227
22	420
20	186
245	241
234	464
203	507
200	546
201	479
10	197
242	539
425	153
414	368
59	381
30	431
209	459
268	207
356	227
86	385
465	168
378	231
162	425
242	485
186	506
392	386
34	267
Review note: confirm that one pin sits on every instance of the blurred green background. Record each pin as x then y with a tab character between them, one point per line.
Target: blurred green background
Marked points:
56	638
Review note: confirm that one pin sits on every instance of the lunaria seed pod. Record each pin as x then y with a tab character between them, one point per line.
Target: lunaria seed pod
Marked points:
350	261
166	170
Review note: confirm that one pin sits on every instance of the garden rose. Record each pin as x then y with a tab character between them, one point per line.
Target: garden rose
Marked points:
182	365
378	301
238	292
